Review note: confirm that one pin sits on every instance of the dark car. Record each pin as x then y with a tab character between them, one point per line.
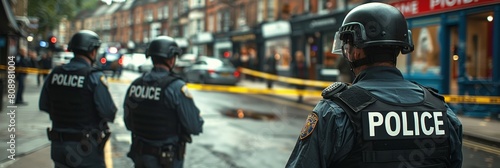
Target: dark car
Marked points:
212	70
111	61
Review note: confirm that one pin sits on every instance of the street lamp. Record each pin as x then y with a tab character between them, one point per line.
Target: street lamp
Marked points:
29	38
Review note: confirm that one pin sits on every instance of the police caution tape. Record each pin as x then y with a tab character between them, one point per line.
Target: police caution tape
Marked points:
472	99
290	80
247	90
28	70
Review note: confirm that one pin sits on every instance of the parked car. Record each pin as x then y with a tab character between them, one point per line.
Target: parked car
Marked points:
61	58
146	66
111	60
184	61
210	70
132	61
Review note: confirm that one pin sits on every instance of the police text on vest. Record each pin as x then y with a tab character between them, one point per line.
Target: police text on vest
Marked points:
145	92
68	80
403	124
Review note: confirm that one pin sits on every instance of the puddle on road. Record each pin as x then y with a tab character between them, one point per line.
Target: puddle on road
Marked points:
242	113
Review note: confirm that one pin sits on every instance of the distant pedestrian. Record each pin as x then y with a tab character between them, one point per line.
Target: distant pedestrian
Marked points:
23	62
45	65
271	66
79	104
301	71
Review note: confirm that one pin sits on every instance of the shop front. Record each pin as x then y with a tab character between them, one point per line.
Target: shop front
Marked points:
313	35
456	49
247	44
222	45
202	43
277	42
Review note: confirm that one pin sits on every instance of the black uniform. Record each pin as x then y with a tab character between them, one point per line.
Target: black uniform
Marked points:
380	121
77	98
160	112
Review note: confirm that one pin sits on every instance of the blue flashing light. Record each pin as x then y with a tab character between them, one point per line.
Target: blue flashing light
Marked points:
43	44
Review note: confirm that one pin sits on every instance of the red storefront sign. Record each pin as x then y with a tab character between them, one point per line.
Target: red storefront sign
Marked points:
414	8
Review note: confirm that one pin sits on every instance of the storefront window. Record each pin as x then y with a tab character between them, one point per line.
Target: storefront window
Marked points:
282	47
479	49
425	57
329	59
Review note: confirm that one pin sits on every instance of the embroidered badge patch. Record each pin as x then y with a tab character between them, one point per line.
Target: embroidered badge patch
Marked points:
104	80
311	121
186	92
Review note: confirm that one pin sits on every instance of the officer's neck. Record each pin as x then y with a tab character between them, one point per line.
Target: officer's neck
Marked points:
86	59
161	66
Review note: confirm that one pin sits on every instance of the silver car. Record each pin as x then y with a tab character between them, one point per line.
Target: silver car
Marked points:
61	58
210	70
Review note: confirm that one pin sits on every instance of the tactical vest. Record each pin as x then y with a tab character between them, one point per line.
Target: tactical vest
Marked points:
150	117
396	135
72	99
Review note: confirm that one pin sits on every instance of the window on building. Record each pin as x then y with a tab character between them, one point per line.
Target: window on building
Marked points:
425	57
242	17
165	12
270	10
211	22
227	21
260	11
175	11
159	13
149	15
199	25
479	46
219	22
307	4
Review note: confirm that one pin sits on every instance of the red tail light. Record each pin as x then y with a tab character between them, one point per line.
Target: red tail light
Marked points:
211	71
236	74
103	60
120	61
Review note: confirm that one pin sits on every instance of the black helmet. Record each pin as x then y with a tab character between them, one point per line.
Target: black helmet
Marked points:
84	41
163	46
374	24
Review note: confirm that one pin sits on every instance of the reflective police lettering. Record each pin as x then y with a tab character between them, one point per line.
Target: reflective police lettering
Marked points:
384	125
68	80
145	92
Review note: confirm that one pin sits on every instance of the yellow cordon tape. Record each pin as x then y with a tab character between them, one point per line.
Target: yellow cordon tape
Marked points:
296	81
472	99
467	99
28	70
240	89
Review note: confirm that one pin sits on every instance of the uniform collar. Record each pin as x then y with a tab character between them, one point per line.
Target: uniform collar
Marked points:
80	60
379	72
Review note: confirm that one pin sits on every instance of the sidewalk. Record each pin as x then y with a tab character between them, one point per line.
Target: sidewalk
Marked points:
480	128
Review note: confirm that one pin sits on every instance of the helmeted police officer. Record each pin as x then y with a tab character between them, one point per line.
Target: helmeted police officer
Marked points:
381	120
160	111
77	99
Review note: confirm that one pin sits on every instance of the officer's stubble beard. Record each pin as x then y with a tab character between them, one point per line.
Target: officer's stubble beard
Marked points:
353	55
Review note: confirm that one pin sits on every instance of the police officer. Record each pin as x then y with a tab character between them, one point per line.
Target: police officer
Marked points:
381	120
77	99
160	111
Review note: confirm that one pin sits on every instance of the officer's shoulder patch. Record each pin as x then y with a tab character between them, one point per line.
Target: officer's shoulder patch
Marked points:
104	80
186	92
311	121
334	88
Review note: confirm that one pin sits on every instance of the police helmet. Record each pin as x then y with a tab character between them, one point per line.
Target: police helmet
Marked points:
164	47
374	24
84	41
